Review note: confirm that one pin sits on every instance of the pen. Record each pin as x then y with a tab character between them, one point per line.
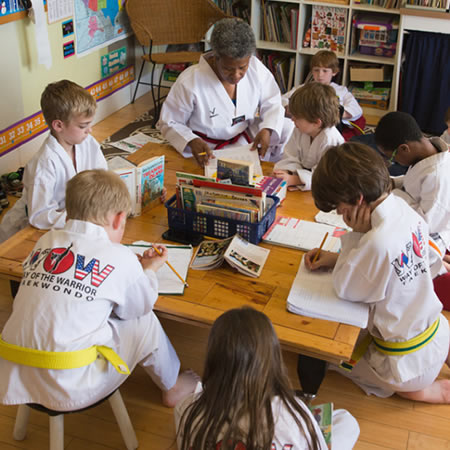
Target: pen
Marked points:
320	248
167	262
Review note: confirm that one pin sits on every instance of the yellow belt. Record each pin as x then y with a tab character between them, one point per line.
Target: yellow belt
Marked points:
60	360
392	348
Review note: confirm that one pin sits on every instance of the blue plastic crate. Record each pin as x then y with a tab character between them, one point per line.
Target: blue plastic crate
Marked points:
220	227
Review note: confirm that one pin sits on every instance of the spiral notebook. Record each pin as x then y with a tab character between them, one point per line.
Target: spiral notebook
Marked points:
312	294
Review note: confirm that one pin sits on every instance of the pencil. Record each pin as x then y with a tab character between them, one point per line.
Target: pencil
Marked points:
201	154
159	253
170	265
320	248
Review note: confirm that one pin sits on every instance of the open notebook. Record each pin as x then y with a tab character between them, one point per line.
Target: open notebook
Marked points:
312	294
180	258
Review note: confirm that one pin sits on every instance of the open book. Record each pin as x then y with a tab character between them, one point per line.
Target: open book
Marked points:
302	234
179	257
323	414
312	294
247	258
239	153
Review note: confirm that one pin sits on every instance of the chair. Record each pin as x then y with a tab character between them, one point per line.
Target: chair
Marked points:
164	22
56	421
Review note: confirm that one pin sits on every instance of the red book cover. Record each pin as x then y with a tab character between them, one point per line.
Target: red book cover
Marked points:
229	187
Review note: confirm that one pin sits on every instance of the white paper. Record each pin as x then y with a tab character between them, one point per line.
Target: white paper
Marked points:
59	9
331	218
133	142
41	34
301	234
312	294
179	257
239	153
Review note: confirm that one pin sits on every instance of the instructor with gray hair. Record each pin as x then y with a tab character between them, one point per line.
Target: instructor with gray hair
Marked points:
228	98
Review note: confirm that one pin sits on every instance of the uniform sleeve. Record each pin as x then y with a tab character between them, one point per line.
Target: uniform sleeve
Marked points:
290	159
285	97
361	273
43	209
351	105
176	111
271	110
100	161
140	296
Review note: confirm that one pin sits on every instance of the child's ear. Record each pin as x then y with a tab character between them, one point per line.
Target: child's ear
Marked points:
403	148
57	125
118	220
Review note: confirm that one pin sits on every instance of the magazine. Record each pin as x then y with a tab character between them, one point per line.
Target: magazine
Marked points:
247	258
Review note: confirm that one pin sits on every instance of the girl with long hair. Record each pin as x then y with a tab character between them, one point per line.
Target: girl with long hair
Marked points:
245	400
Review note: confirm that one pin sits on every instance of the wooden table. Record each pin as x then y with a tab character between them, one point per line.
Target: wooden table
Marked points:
212	292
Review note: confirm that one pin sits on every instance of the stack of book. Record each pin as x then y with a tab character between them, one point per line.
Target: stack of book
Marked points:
145	181
204	195
282	67
280	23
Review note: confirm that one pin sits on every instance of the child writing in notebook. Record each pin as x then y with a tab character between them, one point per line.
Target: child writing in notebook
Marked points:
384	262
81	288
315	111
69	148
245	399
324	67
426	184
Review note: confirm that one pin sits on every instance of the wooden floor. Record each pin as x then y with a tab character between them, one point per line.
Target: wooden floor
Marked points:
392	423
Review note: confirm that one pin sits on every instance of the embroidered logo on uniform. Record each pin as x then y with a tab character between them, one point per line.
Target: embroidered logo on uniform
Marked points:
410	263
97	277
212	113
59	260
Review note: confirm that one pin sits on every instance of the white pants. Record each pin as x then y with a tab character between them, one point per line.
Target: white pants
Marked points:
345	430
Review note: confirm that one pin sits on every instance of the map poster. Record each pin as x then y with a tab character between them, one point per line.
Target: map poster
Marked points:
99	23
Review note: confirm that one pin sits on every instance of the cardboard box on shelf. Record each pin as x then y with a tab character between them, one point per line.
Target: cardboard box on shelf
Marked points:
368	73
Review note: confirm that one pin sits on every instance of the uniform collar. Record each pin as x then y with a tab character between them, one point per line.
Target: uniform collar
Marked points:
82	227
383	210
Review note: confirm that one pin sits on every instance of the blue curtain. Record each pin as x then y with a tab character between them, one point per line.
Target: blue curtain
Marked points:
425	91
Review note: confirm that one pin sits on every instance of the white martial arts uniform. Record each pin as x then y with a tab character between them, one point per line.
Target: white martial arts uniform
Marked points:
426	187
199	102
388	267
43	198
96	294
346	99
302	156
345	428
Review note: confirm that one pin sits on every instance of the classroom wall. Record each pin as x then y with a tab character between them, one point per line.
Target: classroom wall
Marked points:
22	80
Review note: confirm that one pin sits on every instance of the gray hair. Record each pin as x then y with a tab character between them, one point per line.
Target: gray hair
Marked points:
233	38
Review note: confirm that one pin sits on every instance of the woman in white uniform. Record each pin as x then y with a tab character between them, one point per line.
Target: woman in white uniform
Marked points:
228	98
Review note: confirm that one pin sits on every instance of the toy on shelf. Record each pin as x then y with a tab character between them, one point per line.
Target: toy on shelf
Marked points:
377	35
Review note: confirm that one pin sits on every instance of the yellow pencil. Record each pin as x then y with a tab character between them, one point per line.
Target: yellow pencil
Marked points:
320	248
202	154
173	268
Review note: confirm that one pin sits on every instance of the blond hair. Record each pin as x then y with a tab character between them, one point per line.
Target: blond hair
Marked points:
327	59
65	99
92	195
315	101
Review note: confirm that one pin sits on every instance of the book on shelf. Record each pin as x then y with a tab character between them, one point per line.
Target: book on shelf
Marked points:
323	414
302	234
239	153
237	172
312	294
179	256
328	25
145	180
247	258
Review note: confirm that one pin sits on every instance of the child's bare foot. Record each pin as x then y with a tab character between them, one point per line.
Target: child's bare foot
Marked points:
184	386
438	392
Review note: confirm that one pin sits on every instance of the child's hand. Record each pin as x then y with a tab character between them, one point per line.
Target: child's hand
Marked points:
358	218
150	259
163	195
326	260
290	178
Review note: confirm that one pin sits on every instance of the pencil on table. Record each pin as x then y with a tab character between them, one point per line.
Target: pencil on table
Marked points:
201	154
170	265
316	256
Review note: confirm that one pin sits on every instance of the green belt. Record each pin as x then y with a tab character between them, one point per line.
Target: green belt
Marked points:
392	348
61	360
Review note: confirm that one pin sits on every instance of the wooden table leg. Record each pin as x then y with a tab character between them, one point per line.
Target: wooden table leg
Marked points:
311	372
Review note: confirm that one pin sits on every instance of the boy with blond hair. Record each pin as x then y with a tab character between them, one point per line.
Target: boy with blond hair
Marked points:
315	111
81	288
324	67
384	262
68	110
